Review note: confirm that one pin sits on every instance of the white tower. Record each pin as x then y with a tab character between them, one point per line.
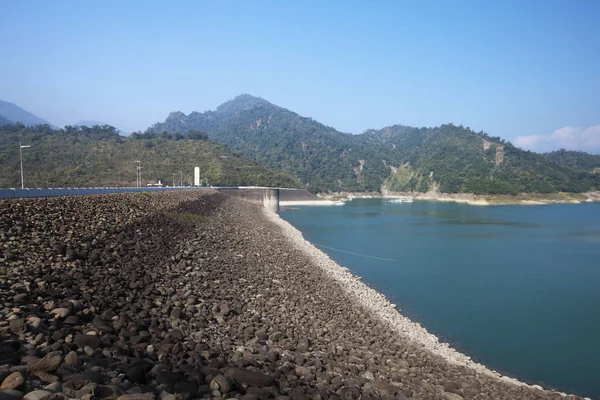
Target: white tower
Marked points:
196	176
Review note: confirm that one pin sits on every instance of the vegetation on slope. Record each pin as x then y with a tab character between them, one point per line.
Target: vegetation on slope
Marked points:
454	159
276	138
448	158
577	160
98	156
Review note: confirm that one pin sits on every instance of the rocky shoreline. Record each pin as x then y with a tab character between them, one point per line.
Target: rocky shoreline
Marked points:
480	200
181	295
381	308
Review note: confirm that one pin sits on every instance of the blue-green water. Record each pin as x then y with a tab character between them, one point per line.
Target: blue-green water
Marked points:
517	288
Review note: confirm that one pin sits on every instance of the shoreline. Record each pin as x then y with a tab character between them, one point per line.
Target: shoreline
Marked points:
384	310
524	199
233	302
287	203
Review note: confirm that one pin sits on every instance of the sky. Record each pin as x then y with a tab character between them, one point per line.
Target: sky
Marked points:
527	70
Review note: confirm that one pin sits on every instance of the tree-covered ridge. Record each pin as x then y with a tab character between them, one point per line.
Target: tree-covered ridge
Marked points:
99	156
448	158
577	160
193	135
454	159
277	138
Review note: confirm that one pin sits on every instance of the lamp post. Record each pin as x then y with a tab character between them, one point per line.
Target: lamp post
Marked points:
181	173
21	147
138	174
174	179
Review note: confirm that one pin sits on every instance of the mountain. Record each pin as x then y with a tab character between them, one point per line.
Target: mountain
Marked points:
4	121
454	159
279	139
91	124
14	113
99	156
577	160
449	158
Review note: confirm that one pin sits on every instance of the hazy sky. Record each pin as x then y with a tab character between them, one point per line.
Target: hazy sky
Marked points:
527	71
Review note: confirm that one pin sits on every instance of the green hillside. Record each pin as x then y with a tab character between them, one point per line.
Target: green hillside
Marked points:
454	159
448	158
98	156
577	160
277	138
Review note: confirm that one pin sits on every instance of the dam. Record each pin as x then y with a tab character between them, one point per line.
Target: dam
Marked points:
266	197
196	293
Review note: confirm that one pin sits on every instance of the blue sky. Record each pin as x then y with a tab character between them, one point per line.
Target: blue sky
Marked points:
522	70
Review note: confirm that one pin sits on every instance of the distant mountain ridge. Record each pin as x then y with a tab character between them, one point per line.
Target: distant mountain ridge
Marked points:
91	124
205	121
12	113
4	121
449	158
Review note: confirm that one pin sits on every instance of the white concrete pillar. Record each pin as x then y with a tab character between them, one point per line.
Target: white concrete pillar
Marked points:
271	199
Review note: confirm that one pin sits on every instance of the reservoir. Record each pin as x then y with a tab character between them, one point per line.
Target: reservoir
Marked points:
517	288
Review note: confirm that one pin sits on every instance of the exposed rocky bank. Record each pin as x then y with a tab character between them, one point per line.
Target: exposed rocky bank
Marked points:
179	295
478	200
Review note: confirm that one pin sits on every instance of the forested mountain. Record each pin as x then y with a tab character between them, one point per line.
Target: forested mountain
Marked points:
454	159
13	113
448	158
99	156
277	138
577	160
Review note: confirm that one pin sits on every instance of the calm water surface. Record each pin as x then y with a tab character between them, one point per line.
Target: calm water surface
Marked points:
515	287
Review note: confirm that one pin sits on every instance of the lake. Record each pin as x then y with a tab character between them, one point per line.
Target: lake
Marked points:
517	288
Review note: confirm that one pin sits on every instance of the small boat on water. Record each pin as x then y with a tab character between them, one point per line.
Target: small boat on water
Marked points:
401	200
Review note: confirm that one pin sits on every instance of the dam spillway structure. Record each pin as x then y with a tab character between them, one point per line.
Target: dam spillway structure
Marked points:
260	196
271	199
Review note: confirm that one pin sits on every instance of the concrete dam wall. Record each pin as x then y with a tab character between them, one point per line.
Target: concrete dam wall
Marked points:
270	198
266	197
262	197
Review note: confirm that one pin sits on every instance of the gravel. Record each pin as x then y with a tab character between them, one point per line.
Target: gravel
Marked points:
181	295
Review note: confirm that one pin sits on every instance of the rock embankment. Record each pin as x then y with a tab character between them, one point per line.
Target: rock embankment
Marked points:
193	295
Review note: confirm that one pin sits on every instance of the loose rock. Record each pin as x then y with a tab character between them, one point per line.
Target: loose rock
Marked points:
13	381
193	294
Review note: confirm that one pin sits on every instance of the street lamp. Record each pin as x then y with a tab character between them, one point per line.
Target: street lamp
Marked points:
181	173
138	175
174	180
21	147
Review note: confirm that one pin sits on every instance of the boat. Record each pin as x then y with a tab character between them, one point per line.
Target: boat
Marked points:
401	200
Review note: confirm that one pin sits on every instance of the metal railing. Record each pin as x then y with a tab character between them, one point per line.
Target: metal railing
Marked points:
16	193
